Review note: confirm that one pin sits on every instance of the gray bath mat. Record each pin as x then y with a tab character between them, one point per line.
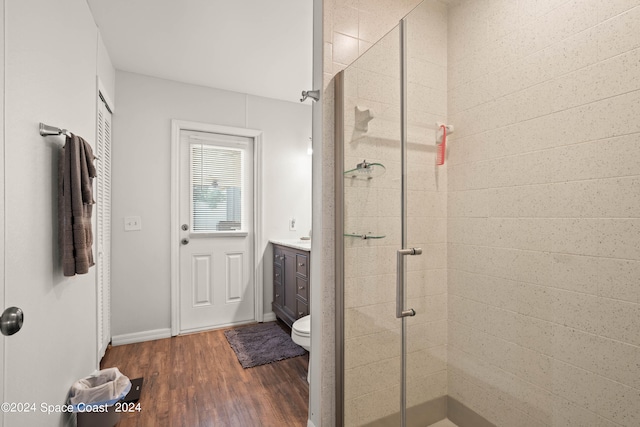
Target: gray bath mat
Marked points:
261	344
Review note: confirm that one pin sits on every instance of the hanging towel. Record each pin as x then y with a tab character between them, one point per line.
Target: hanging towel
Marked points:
75	205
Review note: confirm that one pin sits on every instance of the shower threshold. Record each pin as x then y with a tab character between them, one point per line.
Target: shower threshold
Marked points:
444	423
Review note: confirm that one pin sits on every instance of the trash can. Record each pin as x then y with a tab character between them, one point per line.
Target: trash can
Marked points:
93	398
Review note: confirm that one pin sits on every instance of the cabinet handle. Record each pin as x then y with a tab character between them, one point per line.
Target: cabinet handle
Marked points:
300	313
277	295
300	287
277	274
301	264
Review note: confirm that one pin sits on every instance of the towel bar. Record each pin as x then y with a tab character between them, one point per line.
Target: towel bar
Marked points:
46	130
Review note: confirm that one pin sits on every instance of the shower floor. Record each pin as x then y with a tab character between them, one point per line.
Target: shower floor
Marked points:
443	423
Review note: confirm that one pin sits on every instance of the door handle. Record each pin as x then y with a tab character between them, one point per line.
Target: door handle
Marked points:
11	321
184	241
400	311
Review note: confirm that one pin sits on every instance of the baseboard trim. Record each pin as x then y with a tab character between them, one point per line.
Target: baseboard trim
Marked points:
269	317
135	337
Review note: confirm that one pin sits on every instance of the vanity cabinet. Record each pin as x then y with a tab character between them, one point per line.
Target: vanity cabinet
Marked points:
290	283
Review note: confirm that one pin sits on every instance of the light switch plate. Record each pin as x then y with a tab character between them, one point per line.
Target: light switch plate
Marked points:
132	223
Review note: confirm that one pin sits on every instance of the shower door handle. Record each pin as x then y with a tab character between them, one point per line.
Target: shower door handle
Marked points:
400	311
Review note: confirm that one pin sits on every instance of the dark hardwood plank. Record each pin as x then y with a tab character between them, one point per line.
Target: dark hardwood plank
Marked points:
196	381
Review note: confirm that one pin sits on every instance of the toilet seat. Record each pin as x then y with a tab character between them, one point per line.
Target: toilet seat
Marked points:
301	335
302	326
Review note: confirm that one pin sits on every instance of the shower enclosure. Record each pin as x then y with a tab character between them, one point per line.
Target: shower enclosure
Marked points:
503	287
391	228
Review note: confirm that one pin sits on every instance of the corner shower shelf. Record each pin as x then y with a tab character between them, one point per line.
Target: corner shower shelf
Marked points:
364	236
366	170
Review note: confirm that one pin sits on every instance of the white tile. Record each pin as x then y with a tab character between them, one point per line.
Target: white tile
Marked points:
345	48
566	413
619	320
619	34
611	8
345	20
618	279
606	198
426	388
375	376
603	356
373	25
371	348
427	335
613	76
618	402
532	9
615	238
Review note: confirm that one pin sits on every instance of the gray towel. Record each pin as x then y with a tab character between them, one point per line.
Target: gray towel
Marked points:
75	205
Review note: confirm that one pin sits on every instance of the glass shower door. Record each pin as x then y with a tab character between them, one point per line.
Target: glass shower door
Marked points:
392	319
372	177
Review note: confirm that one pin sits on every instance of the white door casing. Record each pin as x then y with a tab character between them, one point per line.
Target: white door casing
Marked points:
215	279
2	307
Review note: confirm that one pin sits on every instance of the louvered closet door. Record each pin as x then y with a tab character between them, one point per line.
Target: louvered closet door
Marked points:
103	201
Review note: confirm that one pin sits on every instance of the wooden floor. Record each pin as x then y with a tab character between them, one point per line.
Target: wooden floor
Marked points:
196	380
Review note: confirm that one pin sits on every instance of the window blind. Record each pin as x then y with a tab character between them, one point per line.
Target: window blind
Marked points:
216	188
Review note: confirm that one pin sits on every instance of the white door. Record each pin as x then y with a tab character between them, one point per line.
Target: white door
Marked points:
216	230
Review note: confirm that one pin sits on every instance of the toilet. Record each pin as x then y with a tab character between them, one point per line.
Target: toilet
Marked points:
301	335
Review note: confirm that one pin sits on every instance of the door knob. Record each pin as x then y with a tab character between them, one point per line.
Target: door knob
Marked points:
184	227
11	321
184	241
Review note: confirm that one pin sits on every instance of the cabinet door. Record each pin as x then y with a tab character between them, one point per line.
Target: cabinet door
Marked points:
290	283
302	288
302	265
277	255
302	309
278	289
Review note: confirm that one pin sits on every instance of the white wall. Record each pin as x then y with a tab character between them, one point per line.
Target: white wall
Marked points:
50	70
141	184
107	73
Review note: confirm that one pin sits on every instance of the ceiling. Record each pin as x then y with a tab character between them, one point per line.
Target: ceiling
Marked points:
257	47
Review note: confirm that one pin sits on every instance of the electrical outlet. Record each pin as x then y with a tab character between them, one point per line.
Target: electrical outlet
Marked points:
132	223
292	224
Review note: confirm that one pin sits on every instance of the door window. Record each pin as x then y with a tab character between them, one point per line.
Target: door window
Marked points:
217	186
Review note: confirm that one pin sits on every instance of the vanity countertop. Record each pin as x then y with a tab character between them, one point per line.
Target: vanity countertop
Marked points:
304	245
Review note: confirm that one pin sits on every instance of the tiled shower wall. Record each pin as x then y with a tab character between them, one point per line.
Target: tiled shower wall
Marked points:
544	211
